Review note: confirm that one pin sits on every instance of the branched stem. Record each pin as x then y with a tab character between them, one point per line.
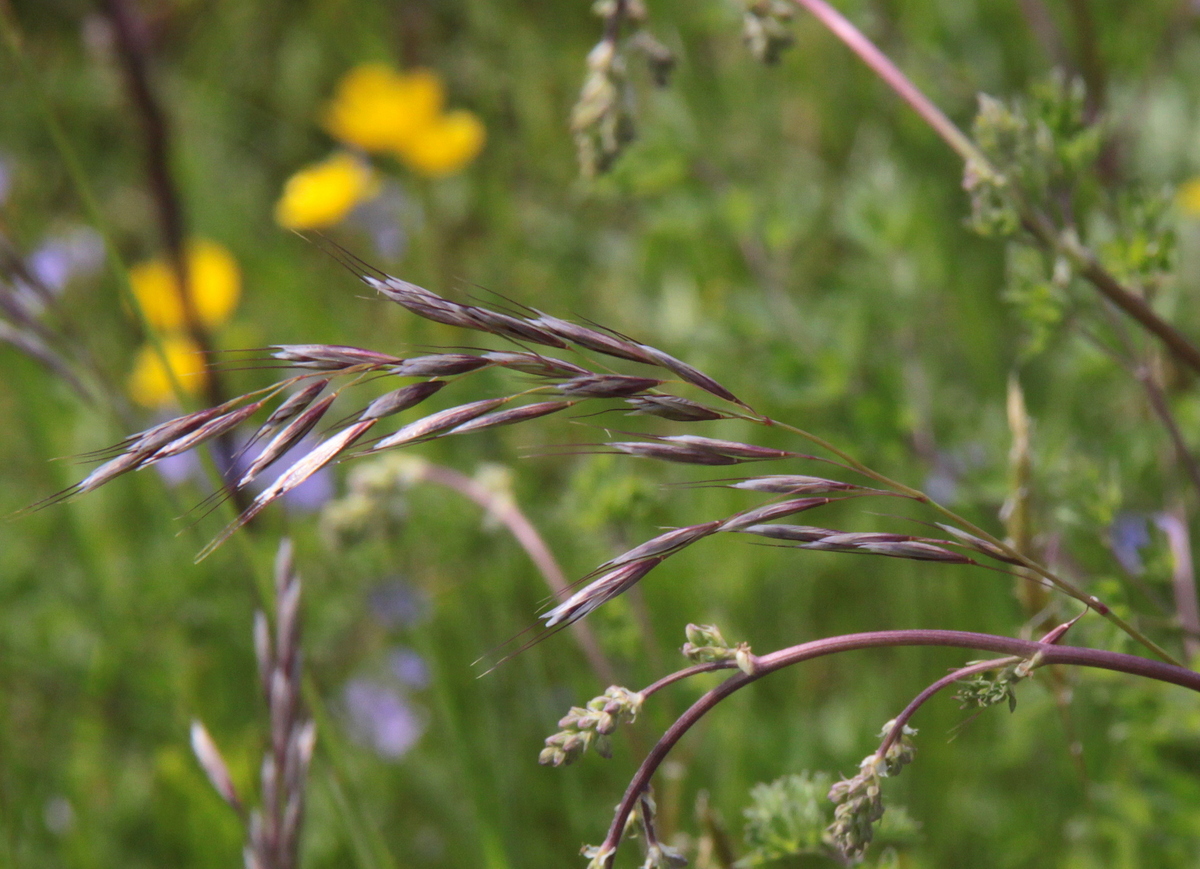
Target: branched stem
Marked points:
687	673
766	664
920	700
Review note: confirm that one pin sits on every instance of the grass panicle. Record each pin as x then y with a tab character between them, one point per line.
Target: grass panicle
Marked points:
272	828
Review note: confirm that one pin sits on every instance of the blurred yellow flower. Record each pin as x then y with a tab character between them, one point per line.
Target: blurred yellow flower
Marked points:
379	109
383	111
150	386
445	146
1188	197
214	285
323	193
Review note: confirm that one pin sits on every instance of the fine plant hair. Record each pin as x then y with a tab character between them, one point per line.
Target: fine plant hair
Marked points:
561	367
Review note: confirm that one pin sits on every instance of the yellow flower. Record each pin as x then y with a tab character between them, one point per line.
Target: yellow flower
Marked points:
214	284
379	109
1188	197
149	384
445	146
323	193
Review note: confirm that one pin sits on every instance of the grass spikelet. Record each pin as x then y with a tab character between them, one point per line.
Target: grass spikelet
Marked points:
435	423
793	484
606	386
329	357
514	328
431	306
285	439
421	301
213	429
915	550
536	364
590	339
149	440
439	365
152	439
691	375
401	399
889	545
664	544
214	766
323	454
600	591
795	533
674	408
767	512
296	402
979	545
732	449
110	470
671	453
511	416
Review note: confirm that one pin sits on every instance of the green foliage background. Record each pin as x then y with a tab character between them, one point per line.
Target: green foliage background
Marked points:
793	230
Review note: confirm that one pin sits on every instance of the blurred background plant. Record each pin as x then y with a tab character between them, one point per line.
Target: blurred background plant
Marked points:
791	228
213	286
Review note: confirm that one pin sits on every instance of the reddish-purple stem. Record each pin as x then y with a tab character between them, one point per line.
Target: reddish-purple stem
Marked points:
882	65
920	700
766	664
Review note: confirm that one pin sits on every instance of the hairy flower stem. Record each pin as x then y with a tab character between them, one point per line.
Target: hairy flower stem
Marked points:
1065	244
1068	588
1046	653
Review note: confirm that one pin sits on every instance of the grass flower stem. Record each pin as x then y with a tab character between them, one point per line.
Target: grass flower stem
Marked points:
762	665
364	836
1041	570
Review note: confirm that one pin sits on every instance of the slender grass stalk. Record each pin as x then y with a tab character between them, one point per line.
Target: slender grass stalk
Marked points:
1068	588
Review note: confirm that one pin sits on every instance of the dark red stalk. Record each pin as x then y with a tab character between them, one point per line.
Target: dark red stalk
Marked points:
766	664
